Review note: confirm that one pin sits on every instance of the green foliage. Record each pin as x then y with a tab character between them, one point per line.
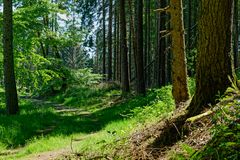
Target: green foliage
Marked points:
191	85
2	100
40	76
35	73
185	153
1	68
85	77
191	61
238	73
161	101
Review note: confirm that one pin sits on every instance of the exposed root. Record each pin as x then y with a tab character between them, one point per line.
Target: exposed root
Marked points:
157	139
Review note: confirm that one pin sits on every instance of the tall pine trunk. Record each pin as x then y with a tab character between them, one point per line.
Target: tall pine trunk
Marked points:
104	40
115	42
133	37
9	76
123	43
214	62
162	49
110	42
236	34
139	55
179	67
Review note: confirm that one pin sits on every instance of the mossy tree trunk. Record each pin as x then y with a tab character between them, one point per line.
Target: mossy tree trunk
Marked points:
179	67
214	61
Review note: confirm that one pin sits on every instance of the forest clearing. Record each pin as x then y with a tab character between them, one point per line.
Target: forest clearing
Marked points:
119	79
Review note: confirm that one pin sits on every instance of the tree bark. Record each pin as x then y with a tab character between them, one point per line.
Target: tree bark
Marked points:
179	67
214	63
139	55
162	49
9	75
124	58
133	37
110	42
104	40
236	34
115	42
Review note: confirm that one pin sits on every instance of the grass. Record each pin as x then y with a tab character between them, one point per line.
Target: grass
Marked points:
101	117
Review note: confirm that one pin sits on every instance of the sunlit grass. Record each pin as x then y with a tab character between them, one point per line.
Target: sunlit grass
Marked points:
39	128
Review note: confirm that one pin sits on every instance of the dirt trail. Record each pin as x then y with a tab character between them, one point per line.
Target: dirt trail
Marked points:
55	154
51	155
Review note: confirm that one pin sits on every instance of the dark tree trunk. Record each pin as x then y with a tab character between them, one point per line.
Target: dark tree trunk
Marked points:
149	59
130	50
110	42
115	43
133	37
162	46
189	42
139	55
104	40
214	62
123	43
118	68
145	40
9	75
236	34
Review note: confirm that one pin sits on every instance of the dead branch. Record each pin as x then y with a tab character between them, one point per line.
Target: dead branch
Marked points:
166	9
195	118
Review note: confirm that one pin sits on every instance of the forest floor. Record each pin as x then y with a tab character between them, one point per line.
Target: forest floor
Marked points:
87	122
213	134
98	123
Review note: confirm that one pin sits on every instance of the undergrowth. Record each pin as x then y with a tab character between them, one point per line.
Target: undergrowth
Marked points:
225	143
101	117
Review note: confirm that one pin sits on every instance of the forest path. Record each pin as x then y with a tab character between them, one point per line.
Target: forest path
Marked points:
60	109
70	124
50	155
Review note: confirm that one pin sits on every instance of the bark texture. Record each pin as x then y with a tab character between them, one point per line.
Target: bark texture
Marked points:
214	62
104	40
123	43
9	76
110	42
139	55
179	67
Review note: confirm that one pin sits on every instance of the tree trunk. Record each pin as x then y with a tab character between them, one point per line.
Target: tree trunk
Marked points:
162	46
115	42
124	58
118	48
214	63
9	75
133	37
130	50
104	40
179	68
236	34
110	42
148	15
189	42
139	55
